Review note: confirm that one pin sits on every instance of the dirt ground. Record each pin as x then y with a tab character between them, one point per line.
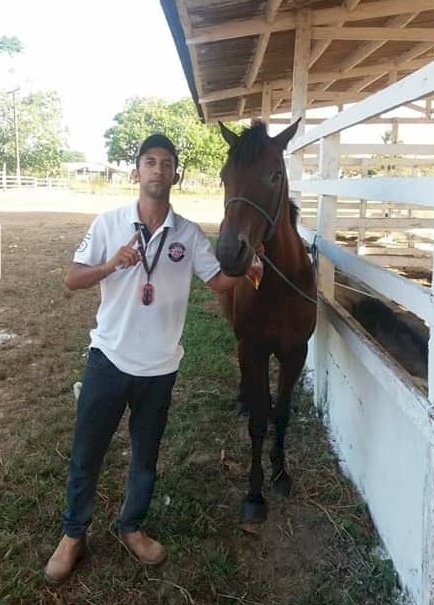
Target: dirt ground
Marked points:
317	549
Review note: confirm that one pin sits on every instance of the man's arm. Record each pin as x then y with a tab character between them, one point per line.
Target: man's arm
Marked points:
221	282
81	276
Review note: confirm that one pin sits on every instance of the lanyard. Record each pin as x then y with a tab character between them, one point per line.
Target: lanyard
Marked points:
144	235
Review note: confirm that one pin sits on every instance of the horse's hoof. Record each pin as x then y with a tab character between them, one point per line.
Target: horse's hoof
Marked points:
254	509
281	484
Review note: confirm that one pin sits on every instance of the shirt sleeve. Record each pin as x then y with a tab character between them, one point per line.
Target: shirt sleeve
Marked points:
92	250
205	264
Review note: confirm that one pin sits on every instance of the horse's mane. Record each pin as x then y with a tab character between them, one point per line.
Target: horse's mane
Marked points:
249	144
246	151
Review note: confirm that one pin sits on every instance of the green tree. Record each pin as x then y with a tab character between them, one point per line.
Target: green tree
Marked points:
42	135
200	146
72	155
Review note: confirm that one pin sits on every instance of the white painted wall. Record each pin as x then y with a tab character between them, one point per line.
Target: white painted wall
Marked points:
380	425
386	450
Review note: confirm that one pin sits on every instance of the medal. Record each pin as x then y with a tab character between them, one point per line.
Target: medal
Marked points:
148	294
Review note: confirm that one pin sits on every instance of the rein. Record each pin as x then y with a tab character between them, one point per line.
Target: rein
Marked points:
288	281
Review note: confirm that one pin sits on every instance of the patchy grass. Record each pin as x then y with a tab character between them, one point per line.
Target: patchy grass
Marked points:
317	547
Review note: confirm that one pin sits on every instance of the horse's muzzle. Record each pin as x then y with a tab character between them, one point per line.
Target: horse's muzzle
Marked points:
234	252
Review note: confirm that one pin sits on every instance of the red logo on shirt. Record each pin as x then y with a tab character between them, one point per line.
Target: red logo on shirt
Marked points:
176	252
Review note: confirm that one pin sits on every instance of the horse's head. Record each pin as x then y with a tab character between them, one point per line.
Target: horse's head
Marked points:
256	190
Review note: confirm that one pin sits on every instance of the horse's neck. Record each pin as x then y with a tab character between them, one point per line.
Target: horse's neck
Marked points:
286	247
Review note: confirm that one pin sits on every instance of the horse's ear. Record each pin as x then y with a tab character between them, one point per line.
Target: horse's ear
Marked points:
283	138
230	137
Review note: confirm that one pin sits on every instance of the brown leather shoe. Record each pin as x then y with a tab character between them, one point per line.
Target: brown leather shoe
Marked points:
62	561
147	550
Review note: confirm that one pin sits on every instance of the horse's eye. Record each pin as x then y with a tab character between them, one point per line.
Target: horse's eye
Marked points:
275	177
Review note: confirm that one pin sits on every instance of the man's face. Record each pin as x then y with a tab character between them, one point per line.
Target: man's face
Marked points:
156	172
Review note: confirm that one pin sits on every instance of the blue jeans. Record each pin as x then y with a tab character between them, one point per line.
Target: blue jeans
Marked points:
101	405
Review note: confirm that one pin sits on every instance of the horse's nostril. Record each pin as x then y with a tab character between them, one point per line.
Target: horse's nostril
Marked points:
242	244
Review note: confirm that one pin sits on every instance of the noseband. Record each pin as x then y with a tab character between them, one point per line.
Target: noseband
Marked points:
272	220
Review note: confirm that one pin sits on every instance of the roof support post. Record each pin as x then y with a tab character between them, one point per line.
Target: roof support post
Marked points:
299	89
266	103
326	229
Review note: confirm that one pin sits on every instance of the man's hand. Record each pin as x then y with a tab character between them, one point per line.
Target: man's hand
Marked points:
126	256
84	276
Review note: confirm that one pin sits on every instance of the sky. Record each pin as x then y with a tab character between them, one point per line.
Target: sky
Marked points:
96	55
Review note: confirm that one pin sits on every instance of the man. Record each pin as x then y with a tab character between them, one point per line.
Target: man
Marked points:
143	256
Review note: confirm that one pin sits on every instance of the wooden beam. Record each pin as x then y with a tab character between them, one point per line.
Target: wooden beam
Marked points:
415	107
258	58
357	72
271	9
313	78
337	97
350	5
186	24
415	34
318	49
412	53
415	86
241	106
300	86
241	91
369	10
301	61
240	29
266	103
277	120
259	25
365	50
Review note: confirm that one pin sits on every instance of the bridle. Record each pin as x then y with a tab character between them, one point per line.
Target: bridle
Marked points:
272	220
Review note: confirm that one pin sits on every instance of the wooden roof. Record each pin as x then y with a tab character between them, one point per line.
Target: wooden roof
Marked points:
233	51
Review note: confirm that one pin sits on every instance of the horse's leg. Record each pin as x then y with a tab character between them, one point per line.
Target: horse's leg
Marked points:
290	370
254	372
242	404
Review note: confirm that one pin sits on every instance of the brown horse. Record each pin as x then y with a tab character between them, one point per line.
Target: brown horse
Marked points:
279	317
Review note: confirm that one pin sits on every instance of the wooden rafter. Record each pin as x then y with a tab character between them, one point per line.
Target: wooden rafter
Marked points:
365	50
356	28
416	107
320	17
186	24
258	58
320	46
284	84
350	5
271	9
386	34
241	106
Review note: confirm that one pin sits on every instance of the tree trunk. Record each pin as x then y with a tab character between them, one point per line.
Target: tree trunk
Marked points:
181	180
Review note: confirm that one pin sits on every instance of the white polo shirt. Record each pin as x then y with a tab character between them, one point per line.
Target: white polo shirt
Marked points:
145	340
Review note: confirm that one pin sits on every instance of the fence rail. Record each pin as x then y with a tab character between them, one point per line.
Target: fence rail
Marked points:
381	424
31	182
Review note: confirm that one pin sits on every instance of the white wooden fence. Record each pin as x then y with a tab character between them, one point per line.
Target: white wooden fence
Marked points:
381	425
9	181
